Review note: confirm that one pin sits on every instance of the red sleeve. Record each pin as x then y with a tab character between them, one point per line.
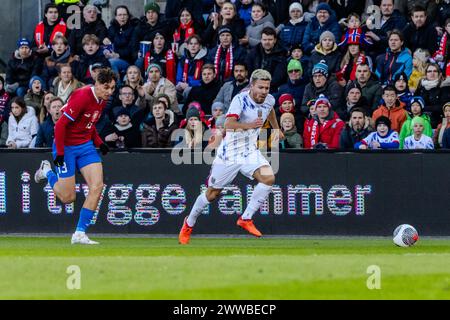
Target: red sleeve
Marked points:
96	138
306	136
337	135
60	134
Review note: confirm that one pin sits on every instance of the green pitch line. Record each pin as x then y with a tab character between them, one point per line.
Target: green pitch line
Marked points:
36	268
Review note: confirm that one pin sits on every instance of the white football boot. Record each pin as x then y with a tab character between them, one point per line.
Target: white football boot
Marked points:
81	238
41	173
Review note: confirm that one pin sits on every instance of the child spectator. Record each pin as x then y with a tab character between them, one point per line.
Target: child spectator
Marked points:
60	54
260	20
327	51
354	32
21	67
35	94
82	68
217	109
292	32
420	60
402	89
287	105
65	83
391	108
22	125
46	132
384	138
296	53
445	124
157	130
293	140
418	140
323	130
415	110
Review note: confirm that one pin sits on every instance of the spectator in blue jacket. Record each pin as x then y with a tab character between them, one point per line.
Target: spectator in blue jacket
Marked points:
446	139
46	131
396	60
325	20
292	32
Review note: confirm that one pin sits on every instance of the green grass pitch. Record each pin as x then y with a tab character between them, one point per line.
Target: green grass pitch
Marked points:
231	268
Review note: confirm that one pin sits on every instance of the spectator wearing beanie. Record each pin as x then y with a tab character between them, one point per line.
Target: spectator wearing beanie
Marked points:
293	140
417	139
292	32
35	93
323	130
321	84
400	82
326	50
296	82
260	19
357	128
325	20
445	124
193	132
382	138
21	67
217	110
157	130
353	99
287	104
126	135
415	109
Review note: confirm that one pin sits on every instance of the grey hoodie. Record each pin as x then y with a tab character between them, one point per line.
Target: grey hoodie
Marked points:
255	29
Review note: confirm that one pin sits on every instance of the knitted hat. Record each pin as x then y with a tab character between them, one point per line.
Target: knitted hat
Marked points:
285	97
195	104
220	121
294	65
417	120
123	111
324	6
154	65
383	120
418	100
352	85
287	116
33	79
23	42
152	6
327	34
296	5
218	105
192	113
322	100
224	29
321	67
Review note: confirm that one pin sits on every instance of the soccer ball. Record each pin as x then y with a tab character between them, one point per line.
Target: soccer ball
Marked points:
405	235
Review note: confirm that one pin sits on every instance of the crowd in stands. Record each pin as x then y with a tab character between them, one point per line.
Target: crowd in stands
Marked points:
346	74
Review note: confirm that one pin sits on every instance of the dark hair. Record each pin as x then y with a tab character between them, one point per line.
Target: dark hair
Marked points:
358	109
161	102
418	9
49	6
21	103
194	36
185	9
56	99
106	75
447	21
268	31
122	7
389	88
240	63
125	86
261	5
209	66
396	32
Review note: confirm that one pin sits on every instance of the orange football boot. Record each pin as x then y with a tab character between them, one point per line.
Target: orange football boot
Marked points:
249	226
185	233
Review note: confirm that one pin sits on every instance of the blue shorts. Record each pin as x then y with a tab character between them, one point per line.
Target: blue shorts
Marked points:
76	157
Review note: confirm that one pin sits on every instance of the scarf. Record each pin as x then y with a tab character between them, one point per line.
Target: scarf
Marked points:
228	62
64	93
430	84
197	71
295	21
442	46
170	64
315	134
188	31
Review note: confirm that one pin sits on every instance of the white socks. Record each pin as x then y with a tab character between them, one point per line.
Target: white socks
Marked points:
197	209
257	200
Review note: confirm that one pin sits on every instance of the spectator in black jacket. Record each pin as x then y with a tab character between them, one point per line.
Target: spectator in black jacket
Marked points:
174	7
82	68
46	131
91	24
420	32
446	139
270	56
120	33
356	129
157	130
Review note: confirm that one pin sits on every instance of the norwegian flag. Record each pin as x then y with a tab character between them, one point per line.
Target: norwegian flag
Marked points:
355	36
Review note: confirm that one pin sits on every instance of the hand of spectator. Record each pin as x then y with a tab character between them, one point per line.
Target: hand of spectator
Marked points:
373	36
363	147
243	41
440	31
111	137
42	49
11	88
150	88
439	58
107	42
181	86
215	20
375	145
12	145
76	57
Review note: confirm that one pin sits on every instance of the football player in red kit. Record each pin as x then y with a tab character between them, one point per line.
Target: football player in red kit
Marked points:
74	149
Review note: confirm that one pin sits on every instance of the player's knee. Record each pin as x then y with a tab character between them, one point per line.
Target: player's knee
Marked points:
268	180
212	194
68	198
96	188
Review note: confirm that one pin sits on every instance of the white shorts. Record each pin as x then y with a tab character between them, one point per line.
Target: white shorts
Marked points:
223	173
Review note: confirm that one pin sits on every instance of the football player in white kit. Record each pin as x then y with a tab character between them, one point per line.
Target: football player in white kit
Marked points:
238	152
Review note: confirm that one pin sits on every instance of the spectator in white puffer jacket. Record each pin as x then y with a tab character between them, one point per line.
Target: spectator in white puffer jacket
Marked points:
23	125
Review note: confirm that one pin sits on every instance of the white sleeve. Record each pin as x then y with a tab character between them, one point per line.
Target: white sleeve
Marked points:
235	109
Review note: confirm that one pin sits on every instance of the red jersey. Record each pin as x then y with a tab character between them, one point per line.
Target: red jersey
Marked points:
77	123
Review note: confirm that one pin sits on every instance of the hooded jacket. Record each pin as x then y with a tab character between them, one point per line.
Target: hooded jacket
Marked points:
254	30
211	38
204	94
194	67
159	138
396	21
121	37
46	134
314	30
20	69
396	114
332	59
23	132
390	64
327	133
407	128
372	91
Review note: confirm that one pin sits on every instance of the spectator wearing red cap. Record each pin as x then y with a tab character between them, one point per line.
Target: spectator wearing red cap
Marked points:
287	105
324	129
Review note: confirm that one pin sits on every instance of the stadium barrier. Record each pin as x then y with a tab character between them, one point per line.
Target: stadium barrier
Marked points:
316	193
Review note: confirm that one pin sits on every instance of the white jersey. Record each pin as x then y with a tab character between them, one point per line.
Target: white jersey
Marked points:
390	141
424	142
239	145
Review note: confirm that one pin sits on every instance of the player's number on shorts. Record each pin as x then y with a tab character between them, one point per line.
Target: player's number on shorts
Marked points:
62	169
